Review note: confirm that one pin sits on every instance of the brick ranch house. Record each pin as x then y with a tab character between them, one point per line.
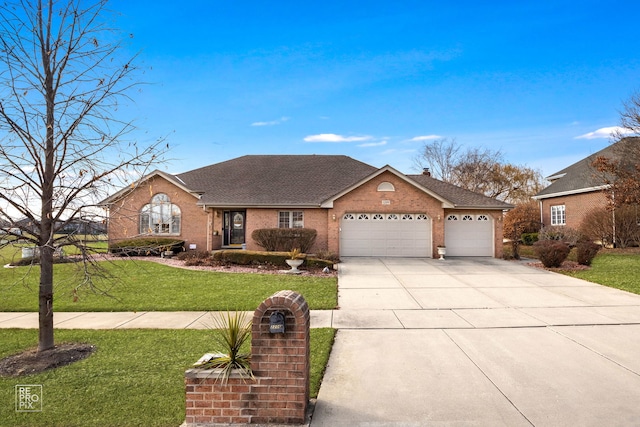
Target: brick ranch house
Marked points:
577	189
356	209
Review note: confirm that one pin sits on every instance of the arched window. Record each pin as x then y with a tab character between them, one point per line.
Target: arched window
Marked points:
160	216
386	186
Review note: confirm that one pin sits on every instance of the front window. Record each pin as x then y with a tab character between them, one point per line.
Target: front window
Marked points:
160	216
290	219
558	216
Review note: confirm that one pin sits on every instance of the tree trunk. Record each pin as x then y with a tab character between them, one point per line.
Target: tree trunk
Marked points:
45	314
47	219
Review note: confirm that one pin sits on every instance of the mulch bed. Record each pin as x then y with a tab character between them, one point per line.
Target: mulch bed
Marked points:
566	266
32	361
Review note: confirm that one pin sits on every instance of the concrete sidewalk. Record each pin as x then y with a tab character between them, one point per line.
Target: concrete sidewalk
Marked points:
134	320
479	342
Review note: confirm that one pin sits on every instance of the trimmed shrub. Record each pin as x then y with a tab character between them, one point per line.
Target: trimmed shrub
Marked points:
285	239
145	246
586	252
263	258
529	239
551	253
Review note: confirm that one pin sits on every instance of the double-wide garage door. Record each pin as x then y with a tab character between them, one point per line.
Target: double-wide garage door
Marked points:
385	235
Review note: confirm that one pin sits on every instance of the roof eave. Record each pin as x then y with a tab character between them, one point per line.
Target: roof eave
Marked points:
257	206
485	207
571	192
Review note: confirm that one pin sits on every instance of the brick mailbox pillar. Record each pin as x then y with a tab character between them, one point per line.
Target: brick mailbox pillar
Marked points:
280	364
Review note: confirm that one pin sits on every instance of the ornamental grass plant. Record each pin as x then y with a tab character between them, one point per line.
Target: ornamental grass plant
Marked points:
231	334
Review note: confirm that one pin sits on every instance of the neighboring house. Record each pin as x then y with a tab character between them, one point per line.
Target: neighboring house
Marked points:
356	209
576	190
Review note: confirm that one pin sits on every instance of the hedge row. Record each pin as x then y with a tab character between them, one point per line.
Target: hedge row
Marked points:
146	246
240	257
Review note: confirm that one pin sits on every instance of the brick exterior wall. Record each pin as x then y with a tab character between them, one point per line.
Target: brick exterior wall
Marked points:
280	363
268	218
577	207
123	219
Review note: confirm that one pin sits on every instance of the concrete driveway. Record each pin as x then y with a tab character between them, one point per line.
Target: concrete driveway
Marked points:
479	341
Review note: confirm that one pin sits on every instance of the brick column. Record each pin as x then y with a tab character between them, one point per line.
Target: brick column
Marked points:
280	363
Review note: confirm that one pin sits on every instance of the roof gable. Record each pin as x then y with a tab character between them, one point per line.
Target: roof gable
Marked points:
126	190
329	202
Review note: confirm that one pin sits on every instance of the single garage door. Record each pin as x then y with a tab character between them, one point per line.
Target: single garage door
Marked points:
468	235
385	235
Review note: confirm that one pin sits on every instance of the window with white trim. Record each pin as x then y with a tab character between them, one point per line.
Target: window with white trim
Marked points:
160	216
290	219
558	215
386	186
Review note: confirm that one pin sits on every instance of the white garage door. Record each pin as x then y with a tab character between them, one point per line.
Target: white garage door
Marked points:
468	235
385	235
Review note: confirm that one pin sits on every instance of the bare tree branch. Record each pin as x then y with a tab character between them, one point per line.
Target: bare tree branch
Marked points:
62	148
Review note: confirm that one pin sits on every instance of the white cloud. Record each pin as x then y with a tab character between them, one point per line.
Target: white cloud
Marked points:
271	123
424	138
603	133
332	137
373	144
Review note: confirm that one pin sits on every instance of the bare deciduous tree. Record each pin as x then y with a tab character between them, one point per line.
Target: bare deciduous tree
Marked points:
62	80
480	170
439	156
621	172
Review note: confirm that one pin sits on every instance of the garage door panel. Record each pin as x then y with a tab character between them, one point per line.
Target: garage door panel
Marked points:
361	235
471	236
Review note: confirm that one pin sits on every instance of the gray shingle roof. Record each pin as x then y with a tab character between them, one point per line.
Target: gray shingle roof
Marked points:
298	181
581	176
460	197
275	180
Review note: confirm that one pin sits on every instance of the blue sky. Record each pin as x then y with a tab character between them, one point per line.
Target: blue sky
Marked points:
374	80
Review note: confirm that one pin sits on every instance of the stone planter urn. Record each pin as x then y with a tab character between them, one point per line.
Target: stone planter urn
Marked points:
442	251
294	264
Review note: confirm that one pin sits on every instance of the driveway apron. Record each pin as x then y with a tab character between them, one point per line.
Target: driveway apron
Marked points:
478	341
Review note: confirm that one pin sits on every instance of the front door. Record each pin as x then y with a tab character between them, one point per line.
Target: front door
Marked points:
234	222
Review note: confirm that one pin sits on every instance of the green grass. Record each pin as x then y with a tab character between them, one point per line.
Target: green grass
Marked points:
616	270
135	378
149	286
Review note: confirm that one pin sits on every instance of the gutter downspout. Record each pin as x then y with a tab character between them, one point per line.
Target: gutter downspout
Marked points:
541	213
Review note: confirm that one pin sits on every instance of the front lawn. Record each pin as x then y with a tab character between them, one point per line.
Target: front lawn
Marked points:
135	377
149	286
615	269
